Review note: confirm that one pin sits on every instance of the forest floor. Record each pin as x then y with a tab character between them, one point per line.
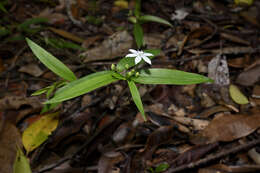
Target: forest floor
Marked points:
204	128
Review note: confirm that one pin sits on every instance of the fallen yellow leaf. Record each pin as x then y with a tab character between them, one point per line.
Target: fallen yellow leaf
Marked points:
237	95
121	3
248	2
39	131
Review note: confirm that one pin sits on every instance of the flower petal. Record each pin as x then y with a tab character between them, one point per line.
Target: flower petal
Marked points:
130	55
138	59
146	59
133	51
147	54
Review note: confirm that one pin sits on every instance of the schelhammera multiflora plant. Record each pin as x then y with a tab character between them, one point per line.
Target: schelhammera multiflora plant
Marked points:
126	69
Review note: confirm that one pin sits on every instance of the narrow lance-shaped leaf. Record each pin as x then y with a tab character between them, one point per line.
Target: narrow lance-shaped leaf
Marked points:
136	97
48	107
130	62
138	34
150	18
170	77
55	65
2	8
25	26
83	86
137	8
21	164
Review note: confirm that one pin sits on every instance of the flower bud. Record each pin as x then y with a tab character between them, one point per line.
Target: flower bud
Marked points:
129	73
137	74
113	67
132	19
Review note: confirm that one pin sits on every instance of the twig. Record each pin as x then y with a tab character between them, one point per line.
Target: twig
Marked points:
214	157
71	17
12	65
54	165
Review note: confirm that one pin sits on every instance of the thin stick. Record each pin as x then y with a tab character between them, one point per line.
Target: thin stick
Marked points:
214	157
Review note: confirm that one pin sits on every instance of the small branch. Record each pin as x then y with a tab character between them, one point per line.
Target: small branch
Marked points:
52	166
214	157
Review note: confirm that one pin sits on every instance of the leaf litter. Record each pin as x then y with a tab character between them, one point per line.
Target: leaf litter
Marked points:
188	126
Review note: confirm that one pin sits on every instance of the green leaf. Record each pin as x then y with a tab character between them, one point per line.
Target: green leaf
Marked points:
55	65
48	107
150	18
138	34
155	52
170	77
125	63
25	26
136	98
237	96
41	91
83	86
2	8
137	8
130	62
162	167
48	88
21	164
119	76
62	44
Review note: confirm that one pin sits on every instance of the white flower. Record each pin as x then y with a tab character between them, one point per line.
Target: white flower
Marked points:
139	55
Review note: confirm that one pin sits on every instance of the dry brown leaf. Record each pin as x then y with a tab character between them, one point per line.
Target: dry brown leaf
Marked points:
239	62
9	140
31	69
212	110
53	18
194	154
15	102
116	45
90	40
230	127
158	137
196	124
76	121
107	161
249	77
67	35
154	41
